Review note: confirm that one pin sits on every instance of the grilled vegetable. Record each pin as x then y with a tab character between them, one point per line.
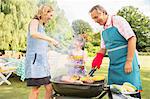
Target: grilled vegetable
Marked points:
98	78
75	77
87	79
129	87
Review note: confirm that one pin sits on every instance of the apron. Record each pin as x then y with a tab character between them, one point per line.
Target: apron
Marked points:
116	46
36	63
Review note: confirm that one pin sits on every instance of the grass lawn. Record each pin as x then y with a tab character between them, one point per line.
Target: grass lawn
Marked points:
18	89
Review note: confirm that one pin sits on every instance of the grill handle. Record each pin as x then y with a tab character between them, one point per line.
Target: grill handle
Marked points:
76	87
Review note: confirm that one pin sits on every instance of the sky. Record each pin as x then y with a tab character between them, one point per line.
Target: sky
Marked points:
78	9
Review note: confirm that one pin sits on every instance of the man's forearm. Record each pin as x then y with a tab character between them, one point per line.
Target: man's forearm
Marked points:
102	50
131	48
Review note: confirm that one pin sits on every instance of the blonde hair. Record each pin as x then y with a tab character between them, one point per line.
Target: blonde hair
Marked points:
43	10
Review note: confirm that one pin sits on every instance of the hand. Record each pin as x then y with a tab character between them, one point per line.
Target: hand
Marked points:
82	67
97	61
128	67
54	42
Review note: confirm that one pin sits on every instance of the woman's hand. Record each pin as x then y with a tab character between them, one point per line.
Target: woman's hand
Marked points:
54	42
128	67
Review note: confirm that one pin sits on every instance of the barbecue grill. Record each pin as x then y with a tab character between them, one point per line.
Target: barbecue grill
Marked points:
79	91
98	90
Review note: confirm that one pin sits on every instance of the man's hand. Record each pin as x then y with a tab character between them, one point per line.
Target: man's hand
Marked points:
97	61
128	67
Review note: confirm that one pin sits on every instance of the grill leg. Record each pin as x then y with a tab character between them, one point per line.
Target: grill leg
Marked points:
106	91
102	95
110	94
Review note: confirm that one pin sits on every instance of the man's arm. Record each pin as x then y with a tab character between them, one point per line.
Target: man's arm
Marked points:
131	48
126	31
130	54
103	51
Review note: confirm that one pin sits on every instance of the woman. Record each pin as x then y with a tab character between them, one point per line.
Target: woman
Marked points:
36	65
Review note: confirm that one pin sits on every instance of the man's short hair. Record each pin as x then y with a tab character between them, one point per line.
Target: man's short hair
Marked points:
98	7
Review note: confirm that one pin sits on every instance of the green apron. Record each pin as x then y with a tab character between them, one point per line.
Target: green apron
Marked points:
116	46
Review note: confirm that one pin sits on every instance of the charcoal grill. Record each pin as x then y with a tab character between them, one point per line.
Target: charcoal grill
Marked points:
79	91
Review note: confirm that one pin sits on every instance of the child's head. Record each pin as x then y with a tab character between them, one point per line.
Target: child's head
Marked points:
78	42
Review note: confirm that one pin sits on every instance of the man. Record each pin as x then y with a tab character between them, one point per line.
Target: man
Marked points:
120	42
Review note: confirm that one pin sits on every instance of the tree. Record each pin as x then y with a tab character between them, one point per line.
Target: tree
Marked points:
140	25
59	27
81	27
15	16
14	23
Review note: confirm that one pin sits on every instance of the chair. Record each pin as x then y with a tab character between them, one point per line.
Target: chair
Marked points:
6	69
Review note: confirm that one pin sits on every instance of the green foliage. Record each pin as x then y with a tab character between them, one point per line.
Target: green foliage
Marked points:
59	26
81	27
91	49
93	40
140	25
144	53
5	6
15	16
96	40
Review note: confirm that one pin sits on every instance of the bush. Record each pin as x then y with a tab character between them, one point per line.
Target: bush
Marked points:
144	53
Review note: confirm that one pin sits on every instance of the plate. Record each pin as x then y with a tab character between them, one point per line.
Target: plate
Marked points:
129	93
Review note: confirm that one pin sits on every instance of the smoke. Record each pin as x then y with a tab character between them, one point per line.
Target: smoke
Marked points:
58	56
57	62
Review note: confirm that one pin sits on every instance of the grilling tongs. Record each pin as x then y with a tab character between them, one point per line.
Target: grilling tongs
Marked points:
92	71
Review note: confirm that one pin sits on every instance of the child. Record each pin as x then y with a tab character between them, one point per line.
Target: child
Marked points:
78	58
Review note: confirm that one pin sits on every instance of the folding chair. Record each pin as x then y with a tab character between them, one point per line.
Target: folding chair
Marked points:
5	72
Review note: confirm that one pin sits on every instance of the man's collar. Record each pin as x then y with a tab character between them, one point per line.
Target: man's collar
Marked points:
108	22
